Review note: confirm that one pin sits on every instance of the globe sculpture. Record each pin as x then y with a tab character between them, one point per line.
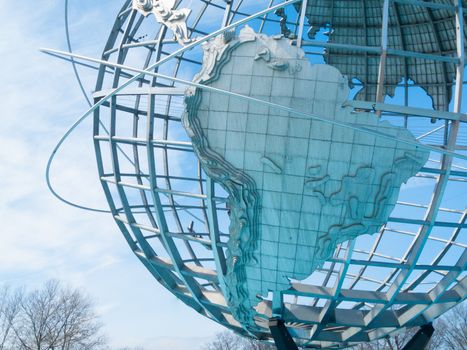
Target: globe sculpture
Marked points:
302	161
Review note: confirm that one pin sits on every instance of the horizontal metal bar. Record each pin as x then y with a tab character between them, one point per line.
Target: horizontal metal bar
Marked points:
138	44
190	237
143	142
457	166
108	70
259	101
397	265
423	56
433	238
188	269
200	272
440	171
180	193
424	222
184	236
141	112
131	91
405	110
159	176
134	224
429	4
380	255
360	295
377	50
159	190
417	205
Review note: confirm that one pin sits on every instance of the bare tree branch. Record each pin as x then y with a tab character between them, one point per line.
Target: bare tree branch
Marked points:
450	334
51	318
9	307
230	341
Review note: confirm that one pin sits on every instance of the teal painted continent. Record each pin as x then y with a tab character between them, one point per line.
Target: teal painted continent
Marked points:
297	186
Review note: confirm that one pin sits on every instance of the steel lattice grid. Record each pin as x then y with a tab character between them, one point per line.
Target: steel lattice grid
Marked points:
182	252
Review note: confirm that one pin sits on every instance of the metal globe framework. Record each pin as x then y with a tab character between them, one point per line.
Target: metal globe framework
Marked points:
175	218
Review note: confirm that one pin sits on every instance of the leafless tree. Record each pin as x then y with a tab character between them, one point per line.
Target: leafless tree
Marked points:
224	341
450	334
229	341
452	328
251	344
395	342
51	318
9	307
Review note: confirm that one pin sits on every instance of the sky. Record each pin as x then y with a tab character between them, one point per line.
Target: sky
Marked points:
42	238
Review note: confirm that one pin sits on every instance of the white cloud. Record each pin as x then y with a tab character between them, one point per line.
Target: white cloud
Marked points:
40	237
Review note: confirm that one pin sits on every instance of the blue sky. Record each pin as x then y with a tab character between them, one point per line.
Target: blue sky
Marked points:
42	238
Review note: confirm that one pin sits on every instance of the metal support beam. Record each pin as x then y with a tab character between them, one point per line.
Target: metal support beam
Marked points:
281	335
302	22
245	98
384	51
420	340
228	9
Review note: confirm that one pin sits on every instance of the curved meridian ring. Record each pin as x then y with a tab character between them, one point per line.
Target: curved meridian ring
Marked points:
175	219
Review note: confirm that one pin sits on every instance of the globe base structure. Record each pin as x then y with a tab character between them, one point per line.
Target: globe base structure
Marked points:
281	335
284	341
421	339
290	170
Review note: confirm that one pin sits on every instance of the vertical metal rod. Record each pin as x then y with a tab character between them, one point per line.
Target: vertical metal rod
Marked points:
228	8
281	335
441	184
302	22
277	302
332	303
461	56
384	50
437	196
421	339
263	20
168	242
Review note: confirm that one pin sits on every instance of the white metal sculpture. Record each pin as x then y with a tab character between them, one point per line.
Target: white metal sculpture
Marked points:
175	216
166	13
